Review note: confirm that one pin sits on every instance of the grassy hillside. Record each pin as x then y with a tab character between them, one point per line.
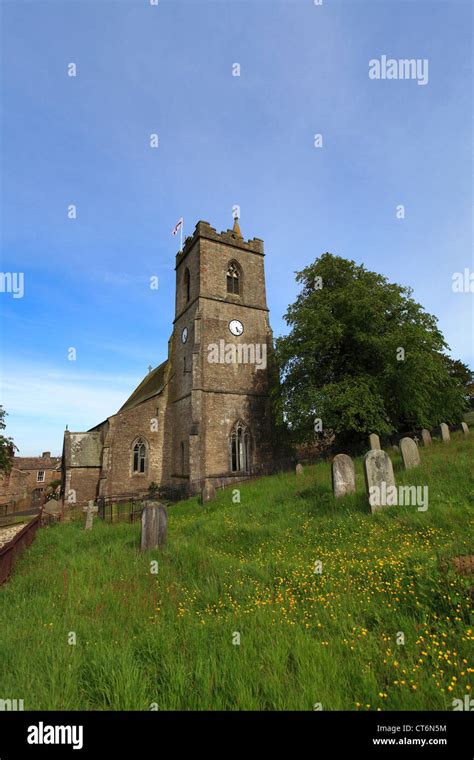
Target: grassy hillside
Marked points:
305	638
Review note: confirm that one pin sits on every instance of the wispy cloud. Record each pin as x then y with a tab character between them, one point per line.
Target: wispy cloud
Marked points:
41	400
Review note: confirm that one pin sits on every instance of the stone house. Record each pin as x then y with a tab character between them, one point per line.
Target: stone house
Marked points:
28	479
204	414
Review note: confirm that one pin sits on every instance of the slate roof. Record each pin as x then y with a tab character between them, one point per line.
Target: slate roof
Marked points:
36	463
151	385
82	449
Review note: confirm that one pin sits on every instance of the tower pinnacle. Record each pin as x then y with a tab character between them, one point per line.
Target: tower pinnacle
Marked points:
236	227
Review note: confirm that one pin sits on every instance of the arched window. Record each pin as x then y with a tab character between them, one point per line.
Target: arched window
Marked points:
183	463
140	456
239	448
187	283
234	277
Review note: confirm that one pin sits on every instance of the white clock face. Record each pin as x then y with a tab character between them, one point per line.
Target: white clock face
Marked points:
236	327
184	334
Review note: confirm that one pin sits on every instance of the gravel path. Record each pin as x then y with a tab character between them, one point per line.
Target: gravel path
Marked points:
6	534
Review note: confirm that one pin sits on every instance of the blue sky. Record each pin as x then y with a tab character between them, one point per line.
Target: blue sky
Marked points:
223	140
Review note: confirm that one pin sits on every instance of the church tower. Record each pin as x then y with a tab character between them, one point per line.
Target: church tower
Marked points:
203	415
218	405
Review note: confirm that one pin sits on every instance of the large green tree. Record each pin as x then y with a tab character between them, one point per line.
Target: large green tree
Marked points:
362	356
465	377
7	447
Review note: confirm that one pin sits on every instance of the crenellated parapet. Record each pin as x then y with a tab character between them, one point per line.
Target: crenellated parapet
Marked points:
229	237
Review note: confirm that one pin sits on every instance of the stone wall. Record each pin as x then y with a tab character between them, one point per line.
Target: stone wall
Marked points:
206	404
15	489
85	482
124	428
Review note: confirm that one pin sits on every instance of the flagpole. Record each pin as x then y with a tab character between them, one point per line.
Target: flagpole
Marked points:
181	249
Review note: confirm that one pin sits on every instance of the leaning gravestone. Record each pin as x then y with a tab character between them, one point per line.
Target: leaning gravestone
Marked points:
343	475
208	492
90	511
426	437
374	441
465	428
410	453
379	479
154	525
445	432
299	469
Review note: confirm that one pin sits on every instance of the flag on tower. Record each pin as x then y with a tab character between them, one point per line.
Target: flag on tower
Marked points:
177	226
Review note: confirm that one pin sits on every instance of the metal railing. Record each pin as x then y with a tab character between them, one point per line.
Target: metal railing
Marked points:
119	509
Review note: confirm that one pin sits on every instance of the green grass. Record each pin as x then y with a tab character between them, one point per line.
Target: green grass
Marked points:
305	638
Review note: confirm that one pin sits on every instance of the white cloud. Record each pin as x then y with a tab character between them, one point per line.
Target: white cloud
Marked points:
41	400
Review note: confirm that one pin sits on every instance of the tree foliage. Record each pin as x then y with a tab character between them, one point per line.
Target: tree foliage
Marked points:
362	356
465	376
7	447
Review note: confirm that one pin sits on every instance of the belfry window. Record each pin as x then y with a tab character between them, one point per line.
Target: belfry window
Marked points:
140	456
233	278
240	449
187	284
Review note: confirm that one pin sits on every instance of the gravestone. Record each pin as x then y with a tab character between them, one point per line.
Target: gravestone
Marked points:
343	475
379	479
90	511
426	437
396	448
445	432
299	469
410	453
52	507
208	492
154	525
464	428
374	441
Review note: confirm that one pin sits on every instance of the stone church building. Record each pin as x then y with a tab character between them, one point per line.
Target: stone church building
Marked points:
204	414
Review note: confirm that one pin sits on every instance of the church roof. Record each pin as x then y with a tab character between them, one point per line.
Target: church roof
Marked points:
151	385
